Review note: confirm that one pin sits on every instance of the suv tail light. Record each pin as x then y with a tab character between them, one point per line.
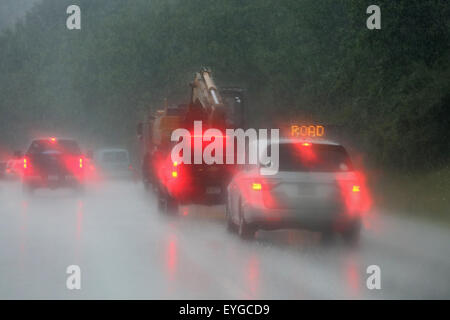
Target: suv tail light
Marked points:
264	185
256	186
261	192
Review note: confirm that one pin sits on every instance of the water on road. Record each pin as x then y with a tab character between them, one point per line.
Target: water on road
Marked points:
126	249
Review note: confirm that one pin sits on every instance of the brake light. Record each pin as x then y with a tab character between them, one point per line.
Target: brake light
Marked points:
53	139
258	192
264	184
81	162
306	144
256	186
175	172
25	163
356	189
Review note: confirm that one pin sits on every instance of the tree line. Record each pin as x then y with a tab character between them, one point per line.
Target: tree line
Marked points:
296	58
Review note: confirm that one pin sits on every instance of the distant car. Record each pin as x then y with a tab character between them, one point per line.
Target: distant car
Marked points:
53	163
315	188
114	163
2	169
13	169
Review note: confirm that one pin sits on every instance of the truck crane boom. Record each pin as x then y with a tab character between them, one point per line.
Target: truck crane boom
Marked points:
187	183
206	99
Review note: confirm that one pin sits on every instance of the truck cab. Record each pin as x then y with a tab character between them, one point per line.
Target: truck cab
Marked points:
181	183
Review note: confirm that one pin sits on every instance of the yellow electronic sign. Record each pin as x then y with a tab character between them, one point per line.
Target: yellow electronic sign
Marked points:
307	131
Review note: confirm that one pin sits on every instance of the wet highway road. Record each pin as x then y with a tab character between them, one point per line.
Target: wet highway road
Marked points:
126	249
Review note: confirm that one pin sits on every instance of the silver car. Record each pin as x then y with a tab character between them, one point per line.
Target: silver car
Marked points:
315	188
114	163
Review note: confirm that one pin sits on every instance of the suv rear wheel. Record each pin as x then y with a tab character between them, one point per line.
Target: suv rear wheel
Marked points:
230	224
245	231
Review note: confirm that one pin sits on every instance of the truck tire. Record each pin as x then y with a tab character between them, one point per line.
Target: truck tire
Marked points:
352	234
167	204
328	237
147	185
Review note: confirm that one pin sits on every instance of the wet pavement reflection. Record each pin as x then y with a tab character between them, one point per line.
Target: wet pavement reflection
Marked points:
127	249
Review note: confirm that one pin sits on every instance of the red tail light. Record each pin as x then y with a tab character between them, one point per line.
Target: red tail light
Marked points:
355	195
25	163
81	162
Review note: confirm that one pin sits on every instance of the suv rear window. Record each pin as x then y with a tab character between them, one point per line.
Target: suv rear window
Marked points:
313	158
57	146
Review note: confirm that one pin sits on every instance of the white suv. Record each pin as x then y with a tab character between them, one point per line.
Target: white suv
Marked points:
315	188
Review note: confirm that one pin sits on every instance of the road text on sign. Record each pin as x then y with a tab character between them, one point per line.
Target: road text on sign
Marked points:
307	131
